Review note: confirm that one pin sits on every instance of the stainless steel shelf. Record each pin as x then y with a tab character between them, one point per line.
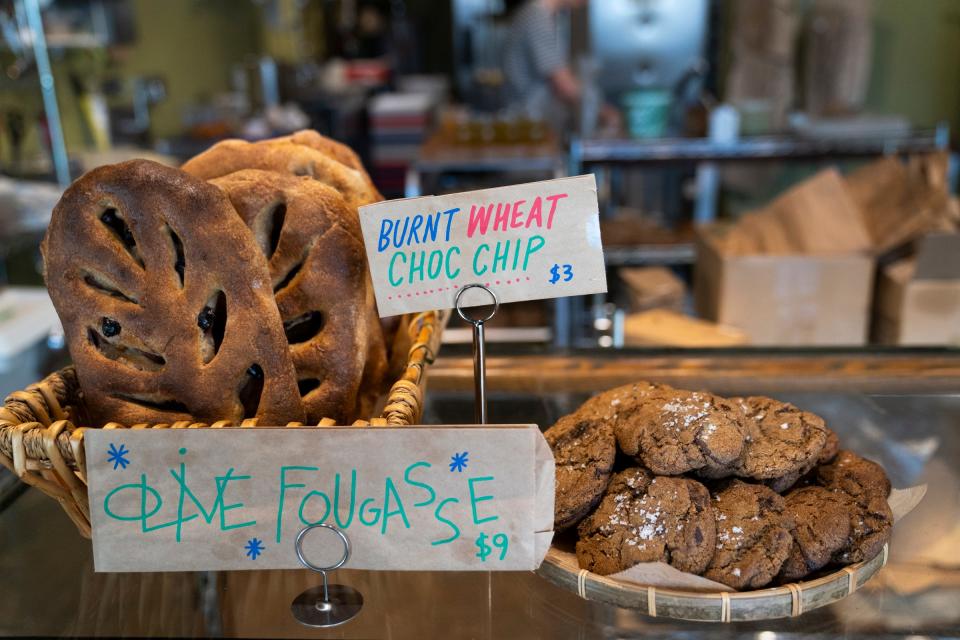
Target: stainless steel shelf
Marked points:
600	151
650	254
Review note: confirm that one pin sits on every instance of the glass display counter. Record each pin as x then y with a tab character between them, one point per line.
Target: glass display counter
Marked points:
897	409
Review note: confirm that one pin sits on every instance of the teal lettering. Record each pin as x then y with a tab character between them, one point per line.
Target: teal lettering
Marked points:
501	258
183	491
434	270
283	492
363	509
423	485
476	270
336	498
326	508
449	523
451	274
395	282
391	489
533	245
416	268
222	482
474	499
143	516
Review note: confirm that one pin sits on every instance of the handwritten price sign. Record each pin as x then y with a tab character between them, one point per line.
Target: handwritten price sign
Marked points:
418	498
525	242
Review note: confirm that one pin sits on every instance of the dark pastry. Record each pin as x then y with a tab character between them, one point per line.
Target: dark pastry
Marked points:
822	528
753	535
644	518
866	483
610	405
672	432
166	301
781	439
305	153
584	450
315	252
830	448
855	476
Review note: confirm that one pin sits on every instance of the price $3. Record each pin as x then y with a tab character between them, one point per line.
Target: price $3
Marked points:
556	270
500	541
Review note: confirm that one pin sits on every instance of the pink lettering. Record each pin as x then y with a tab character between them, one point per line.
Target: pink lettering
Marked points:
479	217
536	212
502	217
515	218
553	207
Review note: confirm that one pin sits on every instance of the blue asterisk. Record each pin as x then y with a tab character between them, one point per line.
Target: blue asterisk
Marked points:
458	462
254	548
118	456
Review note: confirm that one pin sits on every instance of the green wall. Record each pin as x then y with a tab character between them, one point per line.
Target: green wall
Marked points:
192	44
916	70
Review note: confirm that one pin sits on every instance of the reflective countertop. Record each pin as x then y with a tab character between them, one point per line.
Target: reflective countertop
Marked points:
48	586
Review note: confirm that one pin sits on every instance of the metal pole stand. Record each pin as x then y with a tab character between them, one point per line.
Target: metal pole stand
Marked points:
479	354
327	605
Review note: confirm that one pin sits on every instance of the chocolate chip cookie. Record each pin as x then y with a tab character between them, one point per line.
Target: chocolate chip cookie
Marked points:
830	448
672	432
871	521
781	439
854	475
584	449
644	518
753	535
822	528
610	405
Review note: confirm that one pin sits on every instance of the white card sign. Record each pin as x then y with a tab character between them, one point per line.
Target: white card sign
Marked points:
524	242
412	498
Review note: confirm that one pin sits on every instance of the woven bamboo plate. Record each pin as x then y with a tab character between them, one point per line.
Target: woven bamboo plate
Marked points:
763	604
41	442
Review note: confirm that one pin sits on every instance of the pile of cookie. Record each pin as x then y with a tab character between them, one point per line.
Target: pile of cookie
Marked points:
235	287
744	491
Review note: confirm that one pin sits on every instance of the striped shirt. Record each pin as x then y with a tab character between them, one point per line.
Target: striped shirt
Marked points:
532	53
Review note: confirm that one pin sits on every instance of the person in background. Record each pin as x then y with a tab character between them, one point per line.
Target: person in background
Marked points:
535	62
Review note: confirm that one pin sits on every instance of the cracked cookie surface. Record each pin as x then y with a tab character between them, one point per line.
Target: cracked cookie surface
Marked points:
646	518
672	432
822	528
584	449
781	439
753	535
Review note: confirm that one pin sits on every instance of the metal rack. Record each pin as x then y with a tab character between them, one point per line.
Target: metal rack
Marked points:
598	155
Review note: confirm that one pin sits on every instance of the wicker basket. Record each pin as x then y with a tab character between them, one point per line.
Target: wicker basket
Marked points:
788	600
40	442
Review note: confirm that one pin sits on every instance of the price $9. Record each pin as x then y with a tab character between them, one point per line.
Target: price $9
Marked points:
500	541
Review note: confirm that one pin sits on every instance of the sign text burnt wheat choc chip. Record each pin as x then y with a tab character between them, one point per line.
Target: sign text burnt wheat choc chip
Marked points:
525	242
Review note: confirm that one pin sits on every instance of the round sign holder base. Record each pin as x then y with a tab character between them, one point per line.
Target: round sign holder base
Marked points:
326	605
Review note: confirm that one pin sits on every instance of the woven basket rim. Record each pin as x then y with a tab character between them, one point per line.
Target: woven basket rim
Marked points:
555	569
42	445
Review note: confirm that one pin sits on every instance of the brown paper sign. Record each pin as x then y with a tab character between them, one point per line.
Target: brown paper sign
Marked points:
417	498
524	242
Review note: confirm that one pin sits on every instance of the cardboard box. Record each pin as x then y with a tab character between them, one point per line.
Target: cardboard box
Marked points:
666	328
918	298
784	300
653	288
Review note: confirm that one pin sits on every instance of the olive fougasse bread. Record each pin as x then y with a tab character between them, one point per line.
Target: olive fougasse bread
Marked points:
235	288
747	492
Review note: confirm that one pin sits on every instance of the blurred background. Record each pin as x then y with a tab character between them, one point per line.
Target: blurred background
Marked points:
773	173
